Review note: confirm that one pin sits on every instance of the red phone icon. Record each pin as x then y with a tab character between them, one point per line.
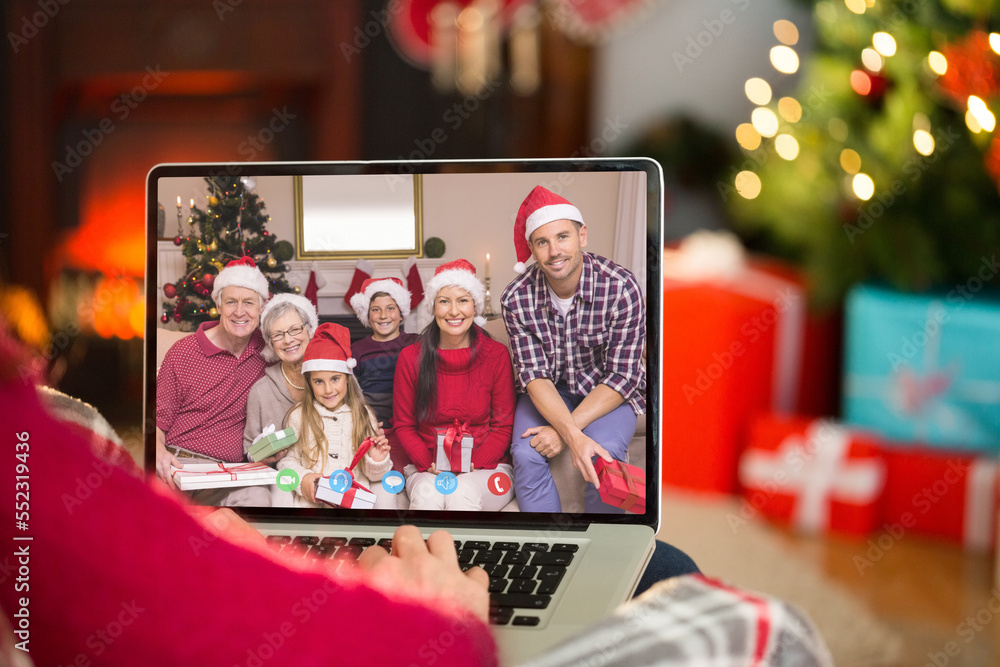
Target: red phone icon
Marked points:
499	483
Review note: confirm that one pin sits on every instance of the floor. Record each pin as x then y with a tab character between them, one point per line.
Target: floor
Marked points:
936	596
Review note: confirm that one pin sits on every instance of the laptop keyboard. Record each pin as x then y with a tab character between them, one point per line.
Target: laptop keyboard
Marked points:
524	576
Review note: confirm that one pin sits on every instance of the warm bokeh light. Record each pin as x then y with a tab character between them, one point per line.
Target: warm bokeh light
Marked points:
856	6
786	146
764	121
982	113
784	59
837	129
747	136
786	32
790	109
863	186
758	91
995	42
884	43
972	123
937	62
923	142
861	82
747	184
850	161
871	59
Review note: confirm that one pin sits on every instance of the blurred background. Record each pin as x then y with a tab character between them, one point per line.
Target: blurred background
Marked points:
845	150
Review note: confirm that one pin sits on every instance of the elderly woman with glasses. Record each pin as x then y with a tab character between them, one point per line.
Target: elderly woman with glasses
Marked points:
287	322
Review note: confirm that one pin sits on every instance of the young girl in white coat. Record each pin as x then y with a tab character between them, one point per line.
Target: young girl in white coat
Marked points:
333	420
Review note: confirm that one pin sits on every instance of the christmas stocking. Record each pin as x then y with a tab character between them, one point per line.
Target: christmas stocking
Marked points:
362	272
413	282
316	283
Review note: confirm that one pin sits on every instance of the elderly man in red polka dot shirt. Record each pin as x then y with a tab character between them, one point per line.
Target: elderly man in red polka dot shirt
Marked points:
202	386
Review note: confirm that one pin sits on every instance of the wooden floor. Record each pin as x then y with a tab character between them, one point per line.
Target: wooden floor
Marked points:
943	601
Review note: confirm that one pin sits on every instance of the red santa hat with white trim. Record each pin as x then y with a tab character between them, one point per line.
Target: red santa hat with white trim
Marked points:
360	301
459	273
329	350
540	207
242	272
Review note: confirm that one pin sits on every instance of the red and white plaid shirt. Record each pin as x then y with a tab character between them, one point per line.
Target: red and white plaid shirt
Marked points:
600	341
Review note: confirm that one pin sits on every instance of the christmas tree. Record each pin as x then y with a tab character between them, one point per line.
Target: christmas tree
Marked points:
884	165
233	225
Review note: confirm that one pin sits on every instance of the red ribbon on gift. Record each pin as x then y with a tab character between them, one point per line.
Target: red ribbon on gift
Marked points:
453	443
230	470
632	488
362	450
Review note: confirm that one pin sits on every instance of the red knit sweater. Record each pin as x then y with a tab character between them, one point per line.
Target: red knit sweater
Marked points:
482	394
117	572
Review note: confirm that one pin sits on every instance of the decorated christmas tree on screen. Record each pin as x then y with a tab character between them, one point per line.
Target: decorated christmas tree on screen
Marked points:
885	164
231	224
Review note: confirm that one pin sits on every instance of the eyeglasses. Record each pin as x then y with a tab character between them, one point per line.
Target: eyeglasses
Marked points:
294	331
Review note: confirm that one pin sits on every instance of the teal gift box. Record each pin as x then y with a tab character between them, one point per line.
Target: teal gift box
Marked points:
270	442
925	367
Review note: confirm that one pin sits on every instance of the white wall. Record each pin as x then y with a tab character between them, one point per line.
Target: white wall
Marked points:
643	75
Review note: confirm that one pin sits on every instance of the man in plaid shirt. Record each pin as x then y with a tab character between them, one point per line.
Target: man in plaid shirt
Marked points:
577	328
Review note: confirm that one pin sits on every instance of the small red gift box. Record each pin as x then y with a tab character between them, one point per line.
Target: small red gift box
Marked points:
454	448
943	494
356	497
814	475
622	485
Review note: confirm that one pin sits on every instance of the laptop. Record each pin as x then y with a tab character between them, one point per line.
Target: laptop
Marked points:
326	216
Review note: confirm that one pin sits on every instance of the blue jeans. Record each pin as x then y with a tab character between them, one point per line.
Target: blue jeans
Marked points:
533	485
667	561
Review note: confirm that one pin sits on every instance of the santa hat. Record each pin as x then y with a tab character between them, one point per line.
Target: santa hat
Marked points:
329	350
459	273
392	286
303	304
540	207
241	272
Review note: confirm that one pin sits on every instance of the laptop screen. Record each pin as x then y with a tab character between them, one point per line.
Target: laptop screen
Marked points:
439	339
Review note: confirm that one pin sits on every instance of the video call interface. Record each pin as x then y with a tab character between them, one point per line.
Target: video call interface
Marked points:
321	225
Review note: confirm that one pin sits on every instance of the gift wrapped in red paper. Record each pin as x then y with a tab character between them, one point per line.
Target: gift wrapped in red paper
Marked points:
732	347
622	485
814	475
454	448
943	494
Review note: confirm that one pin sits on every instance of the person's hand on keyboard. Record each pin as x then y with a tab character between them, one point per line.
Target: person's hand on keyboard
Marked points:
427	570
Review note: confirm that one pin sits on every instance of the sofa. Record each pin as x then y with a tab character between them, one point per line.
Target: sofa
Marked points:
568	481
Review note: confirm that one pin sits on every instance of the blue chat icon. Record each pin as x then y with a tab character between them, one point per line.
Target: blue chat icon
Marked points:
393	481
446	483
341	481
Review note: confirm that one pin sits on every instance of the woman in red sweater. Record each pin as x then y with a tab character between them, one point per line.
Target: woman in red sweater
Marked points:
456	379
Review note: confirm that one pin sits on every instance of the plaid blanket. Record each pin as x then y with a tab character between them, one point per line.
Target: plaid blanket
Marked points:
694	620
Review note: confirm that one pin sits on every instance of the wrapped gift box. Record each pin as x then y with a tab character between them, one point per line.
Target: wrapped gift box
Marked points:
220	475
732	347
622	485
454	453
924	368
942	494
356	497
813	475
270	442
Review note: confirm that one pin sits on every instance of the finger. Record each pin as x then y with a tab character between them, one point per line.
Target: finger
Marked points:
603	453
590	473
372	556
407	542
442	545
478	575
532	431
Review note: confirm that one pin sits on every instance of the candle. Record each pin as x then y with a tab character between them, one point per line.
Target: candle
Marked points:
487	265
191	205
178	201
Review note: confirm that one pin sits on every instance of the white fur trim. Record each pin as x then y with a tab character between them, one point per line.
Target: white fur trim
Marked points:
335	365
458	278
312	319
362	300
546	214
240	276
520	267
480	320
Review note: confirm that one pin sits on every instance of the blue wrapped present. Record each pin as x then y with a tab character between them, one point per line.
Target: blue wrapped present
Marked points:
924	367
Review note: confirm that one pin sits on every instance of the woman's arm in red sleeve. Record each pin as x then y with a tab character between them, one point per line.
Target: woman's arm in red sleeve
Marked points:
404	408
